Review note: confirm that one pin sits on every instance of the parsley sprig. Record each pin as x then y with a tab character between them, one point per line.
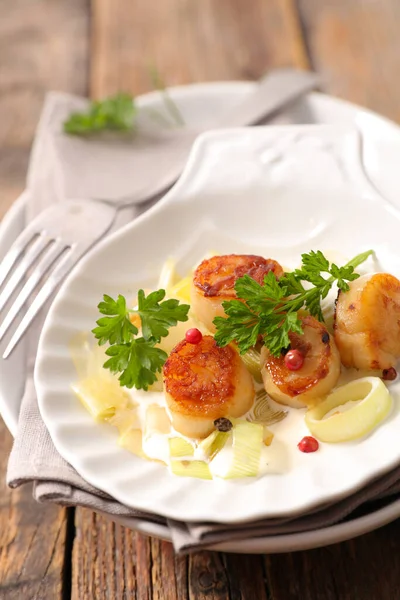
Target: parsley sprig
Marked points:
137	359
116	113
271	310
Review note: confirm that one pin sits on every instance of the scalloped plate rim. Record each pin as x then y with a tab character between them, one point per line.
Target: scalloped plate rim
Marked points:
200	155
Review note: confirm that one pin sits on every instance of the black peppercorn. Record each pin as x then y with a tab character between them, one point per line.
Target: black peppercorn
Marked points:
284	351
325	337
223	424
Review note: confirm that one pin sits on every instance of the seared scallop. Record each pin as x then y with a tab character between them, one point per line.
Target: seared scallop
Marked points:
318	374
367	322
203	382
214	282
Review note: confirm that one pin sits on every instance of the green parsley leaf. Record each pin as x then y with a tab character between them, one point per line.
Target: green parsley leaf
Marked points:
115	113
271	310
137	358
342	274
156	318
312	301
310	276
227	329
115	328
138	362
314	262
276	334
291	284
256	295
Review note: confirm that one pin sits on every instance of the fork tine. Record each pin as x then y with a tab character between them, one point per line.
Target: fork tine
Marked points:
64	266
44	265
37	247
79	224
14	253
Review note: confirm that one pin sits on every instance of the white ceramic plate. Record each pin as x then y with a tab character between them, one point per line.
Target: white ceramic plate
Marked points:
381	146
275	191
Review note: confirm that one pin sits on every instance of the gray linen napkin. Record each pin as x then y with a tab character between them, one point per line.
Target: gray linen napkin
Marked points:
34	457
187	537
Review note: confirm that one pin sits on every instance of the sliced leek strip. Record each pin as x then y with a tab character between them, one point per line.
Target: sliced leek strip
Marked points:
263	412
101	397
157	386
212	444
252	360
157	420
96	359
168	276
178	446
79	349
181	289
191	468
132	440
125	419
247	444
374	404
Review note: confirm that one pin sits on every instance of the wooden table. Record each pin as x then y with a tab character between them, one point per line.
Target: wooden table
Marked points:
99	48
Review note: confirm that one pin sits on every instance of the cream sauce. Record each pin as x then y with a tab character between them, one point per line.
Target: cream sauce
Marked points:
155	446
273	458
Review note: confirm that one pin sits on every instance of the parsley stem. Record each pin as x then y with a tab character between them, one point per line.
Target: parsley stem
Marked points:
170	105
359	259
294	303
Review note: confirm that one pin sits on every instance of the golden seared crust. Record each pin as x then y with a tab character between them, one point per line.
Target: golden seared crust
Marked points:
316	346
201	378
367	322
216	276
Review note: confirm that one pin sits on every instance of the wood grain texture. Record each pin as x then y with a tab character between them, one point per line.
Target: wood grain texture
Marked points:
104	559
226	577
190	41
32	540
365	567
43	46
354	46
247	578
110	561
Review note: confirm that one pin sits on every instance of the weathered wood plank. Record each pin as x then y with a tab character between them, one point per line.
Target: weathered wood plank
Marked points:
361	568
208	577
190	41
32	539
354	45
105	560
43	46
246	577
111	561
164	572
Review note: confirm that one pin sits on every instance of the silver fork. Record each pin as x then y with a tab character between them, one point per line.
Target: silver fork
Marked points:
54	242
51	245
